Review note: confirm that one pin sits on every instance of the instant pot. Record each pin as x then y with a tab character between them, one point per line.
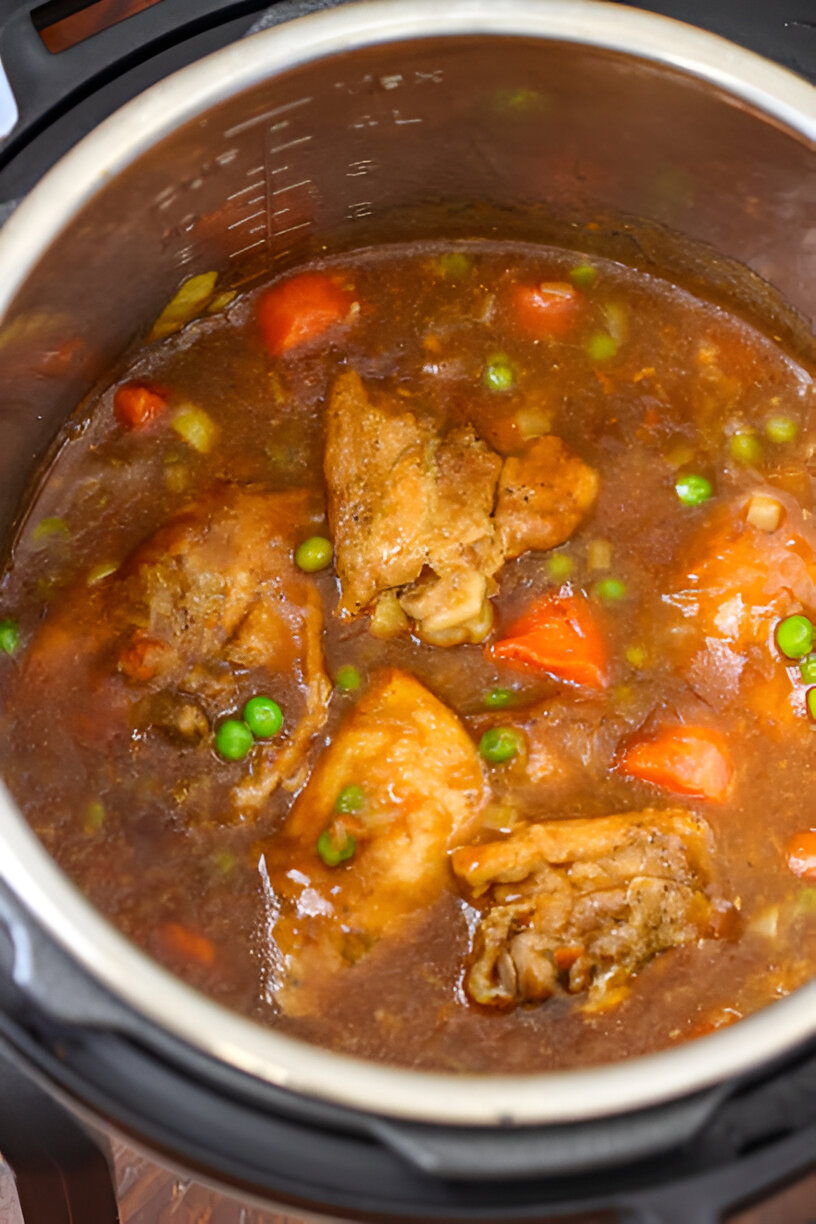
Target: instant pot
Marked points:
650	141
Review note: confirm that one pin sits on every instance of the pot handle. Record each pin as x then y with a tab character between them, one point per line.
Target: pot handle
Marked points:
61	1176
41	81
466	1154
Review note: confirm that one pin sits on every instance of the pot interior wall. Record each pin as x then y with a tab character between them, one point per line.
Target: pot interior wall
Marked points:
462	136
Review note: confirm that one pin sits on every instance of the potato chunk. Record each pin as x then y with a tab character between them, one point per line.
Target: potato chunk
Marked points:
580	905
418	789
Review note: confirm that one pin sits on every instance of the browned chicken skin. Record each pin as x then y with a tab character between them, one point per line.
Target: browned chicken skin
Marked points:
580	905
417	528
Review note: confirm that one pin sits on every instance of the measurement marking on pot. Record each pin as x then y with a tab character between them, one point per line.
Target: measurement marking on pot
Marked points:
251	247
357	169
244	190
291	187
363	209
290	144
265	117
291	228
251	217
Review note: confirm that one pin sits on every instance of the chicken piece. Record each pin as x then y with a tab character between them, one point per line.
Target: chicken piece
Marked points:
736	584
419	788
411	512
543	496
213	593
402	499
581	905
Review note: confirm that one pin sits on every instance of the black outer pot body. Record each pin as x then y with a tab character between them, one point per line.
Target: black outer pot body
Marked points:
393	158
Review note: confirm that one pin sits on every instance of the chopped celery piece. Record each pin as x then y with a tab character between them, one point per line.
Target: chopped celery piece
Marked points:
195	427
189	301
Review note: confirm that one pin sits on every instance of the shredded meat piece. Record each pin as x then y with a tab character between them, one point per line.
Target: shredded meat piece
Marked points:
581	905
543	496
412	512
423	787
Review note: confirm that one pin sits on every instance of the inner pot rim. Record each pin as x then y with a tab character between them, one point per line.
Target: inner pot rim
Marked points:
478	1100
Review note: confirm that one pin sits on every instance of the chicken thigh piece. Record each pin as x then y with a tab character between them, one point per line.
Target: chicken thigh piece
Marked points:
401	499
417	528
364	851
212	597
573	906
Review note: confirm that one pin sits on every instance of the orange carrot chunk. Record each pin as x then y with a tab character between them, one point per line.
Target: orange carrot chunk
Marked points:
684	760
558	635
187	944
801	854
301	309
135	405
549	309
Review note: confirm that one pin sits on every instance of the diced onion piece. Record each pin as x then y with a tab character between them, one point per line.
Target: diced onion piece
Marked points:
500	817
599	555
189	301
617	322
766	922
221	301
388	618
195	427
764	512
533	422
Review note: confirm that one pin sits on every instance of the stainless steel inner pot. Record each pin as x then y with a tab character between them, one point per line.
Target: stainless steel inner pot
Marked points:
592	125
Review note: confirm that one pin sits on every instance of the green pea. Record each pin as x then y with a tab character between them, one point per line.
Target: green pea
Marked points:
559	566
810	698
807	669
9	635
501	744
610	590
636	656
499	698
745	447
781	429
794	636
583	275
314	554
601	346
233	740
498	373
336	846
348	678
693	489
454	265
351	799
263	716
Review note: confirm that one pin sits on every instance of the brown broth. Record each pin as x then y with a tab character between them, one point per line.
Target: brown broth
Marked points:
139	823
